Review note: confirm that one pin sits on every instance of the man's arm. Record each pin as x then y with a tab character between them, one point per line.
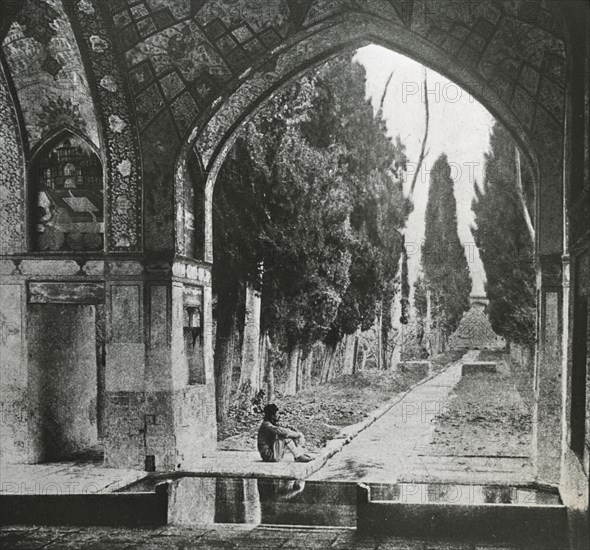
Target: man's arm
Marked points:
283	432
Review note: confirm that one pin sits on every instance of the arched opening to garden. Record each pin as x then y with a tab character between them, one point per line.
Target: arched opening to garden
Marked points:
521	160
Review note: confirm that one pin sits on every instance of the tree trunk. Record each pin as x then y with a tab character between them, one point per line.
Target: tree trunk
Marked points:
355	353
293	366
306	361
380	341
330	352
308	369
225	339
384	337
349	350
263	359
423	152
270	372
428	325
250	371
363	361
337	361
521	196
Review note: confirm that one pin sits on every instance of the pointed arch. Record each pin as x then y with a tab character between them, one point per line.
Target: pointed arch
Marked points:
65	199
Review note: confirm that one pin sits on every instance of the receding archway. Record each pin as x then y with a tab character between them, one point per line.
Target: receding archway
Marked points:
539	137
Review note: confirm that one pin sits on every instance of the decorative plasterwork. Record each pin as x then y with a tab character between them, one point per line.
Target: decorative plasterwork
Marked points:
12	176
47	71
120	144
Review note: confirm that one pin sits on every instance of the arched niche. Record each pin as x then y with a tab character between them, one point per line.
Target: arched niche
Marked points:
66	196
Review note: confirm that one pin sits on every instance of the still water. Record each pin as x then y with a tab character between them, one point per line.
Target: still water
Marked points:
268	501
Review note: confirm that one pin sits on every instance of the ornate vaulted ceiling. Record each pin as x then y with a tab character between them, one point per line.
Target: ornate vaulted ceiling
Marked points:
138	77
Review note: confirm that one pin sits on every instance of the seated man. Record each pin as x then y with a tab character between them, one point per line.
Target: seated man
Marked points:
274	439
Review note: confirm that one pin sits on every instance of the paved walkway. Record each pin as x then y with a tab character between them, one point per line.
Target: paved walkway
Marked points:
395	448
64	478
220	536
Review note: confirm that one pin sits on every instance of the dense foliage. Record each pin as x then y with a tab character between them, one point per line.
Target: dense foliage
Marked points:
312	192
505	244
443	257
308	206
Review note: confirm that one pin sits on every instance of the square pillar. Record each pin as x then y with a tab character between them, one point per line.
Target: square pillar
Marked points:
547	433
159	383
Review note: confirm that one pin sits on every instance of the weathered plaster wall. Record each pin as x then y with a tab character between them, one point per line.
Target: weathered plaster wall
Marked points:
62	386
125	348
547	427
174	427
155	414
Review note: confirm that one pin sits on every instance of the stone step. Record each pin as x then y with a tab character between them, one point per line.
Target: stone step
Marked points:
115	509
529	523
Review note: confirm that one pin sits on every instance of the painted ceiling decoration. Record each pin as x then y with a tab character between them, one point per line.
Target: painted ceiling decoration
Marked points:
42	54
179	75
181	55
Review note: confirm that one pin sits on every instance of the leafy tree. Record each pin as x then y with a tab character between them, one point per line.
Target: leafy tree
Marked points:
504	241
342	117
305	239
311	191
443	257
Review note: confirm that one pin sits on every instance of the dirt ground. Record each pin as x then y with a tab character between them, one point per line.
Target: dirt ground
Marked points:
321	411
488	414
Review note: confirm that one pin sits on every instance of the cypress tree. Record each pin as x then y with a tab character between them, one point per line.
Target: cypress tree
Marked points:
505	244
443	257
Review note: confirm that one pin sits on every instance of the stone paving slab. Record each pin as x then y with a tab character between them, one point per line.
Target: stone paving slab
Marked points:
224	536
387	449
64	478
474	470
395	448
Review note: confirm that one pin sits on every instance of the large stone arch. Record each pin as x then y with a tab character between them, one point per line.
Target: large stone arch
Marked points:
175	79
536	119
214	137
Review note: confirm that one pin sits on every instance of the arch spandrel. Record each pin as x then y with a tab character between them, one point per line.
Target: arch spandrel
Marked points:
42	54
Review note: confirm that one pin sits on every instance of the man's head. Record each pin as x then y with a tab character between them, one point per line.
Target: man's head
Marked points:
271	412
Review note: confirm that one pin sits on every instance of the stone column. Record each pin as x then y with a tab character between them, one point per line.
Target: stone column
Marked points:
548	370
160	413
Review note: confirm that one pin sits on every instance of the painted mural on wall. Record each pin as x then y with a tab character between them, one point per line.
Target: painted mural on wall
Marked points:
67	197
42	54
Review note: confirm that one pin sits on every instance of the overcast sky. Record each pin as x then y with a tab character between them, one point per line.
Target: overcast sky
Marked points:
459	127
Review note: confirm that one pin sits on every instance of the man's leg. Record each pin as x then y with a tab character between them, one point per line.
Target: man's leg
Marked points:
278	450
293	448
298	453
